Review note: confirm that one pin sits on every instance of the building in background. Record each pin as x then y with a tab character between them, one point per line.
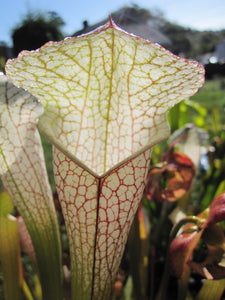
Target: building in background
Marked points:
134	20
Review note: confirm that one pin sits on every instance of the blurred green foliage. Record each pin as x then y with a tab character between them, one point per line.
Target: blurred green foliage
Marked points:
190	41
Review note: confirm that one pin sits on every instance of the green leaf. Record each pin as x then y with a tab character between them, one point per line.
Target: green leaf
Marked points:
220	188
138	251
128	289
9	250
180	251
178	116
211	290
23	173
200	109
26	242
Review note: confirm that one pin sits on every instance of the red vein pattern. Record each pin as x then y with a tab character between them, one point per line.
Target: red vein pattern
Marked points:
22	164
105	94
98	215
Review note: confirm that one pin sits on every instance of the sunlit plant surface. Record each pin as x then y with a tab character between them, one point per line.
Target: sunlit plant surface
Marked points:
102	101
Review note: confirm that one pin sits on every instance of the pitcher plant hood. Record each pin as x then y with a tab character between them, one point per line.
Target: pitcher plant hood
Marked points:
106	94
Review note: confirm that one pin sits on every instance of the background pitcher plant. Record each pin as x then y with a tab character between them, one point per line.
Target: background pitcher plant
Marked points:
23	173
105	97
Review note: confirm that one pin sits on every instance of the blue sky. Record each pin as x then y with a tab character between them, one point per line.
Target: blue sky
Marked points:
198	14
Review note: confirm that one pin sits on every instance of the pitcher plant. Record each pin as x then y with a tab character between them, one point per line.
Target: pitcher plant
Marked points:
105	97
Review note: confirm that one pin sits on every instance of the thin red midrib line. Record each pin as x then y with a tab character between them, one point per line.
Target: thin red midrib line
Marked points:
96	234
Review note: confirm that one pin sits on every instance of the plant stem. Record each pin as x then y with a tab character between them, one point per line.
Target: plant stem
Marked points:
27	291
162	292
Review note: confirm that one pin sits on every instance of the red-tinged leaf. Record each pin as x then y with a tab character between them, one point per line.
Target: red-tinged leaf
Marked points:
200	269
217	272
183	175
98	214
9	250
210	268
213	236
216	210
171	179
144	226
25	241
181	250
180	159
152	189
184	244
